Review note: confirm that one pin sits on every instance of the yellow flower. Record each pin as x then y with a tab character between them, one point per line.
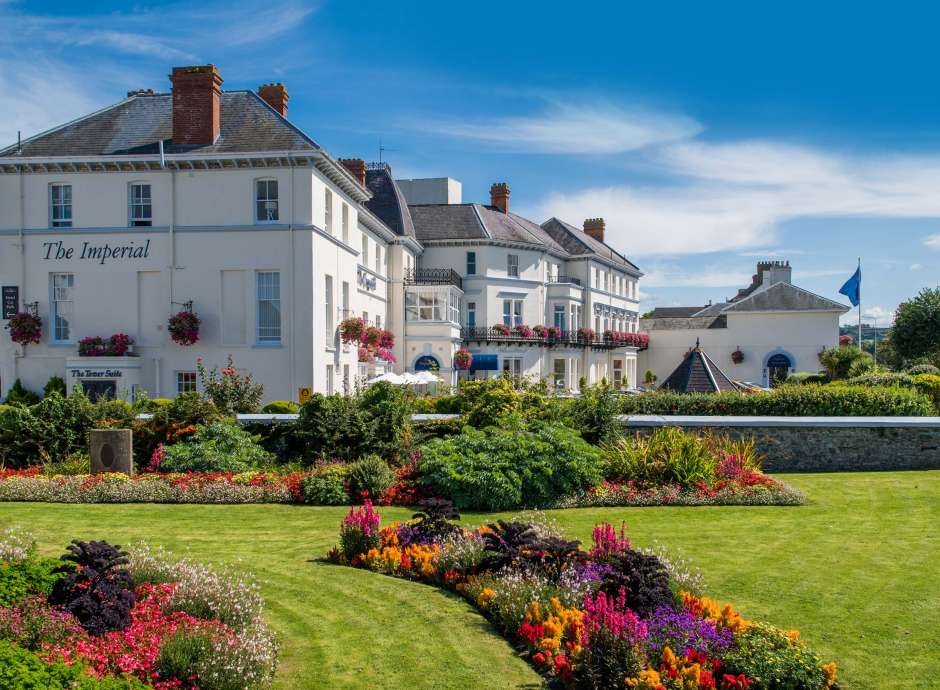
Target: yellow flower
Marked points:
793	634
549	644
533	613
648	679
486	596
830	670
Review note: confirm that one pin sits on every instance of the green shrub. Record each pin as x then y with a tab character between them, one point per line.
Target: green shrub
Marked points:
29	576
668	455
486	402
389	418
785	401
595	413
884	378
21	669
929	385
46	431
773	660
806	378
333	426
370	477
845	362
281	407
924	369
72	464
326	486
219	447
155	403
501	468
55	384
20	395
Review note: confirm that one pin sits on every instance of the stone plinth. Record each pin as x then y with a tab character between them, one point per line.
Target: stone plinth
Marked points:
111	450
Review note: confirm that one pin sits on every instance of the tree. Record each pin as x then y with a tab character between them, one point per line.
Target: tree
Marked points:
845	362
916	332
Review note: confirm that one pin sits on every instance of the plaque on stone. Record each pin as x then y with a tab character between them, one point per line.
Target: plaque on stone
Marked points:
112	450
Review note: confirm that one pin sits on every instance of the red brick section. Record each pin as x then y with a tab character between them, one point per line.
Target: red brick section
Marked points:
196	92
357	167
499	196
595	228
275	95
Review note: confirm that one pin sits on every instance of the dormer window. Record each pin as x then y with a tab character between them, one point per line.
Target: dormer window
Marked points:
139	205
266	201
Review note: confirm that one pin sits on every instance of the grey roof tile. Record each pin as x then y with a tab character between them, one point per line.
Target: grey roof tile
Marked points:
698	373
138	124
387	202
784	297
576	241
446	222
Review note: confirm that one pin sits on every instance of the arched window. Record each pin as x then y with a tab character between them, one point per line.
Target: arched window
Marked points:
427	363
778	368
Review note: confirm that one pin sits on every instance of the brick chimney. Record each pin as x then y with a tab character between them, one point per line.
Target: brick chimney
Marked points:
595	228
196	95
275	95
357	167
499	196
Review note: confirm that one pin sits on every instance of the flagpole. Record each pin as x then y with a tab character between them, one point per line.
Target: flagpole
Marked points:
860	348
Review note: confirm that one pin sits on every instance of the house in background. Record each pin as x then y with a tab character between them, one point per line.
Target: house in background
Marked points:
770	329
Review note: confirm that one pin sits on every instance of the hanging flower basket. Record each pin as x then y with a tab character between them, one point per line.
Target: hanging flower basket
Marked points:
25	328
350	330
365	356
540	331
371	337
463	359
553	332
386	355
184	328
388	340
523	331
586	333
501	329
737	356
117	345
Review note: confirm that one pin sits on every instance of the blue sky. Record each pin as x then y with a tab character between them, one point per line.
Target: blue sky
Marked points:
707	136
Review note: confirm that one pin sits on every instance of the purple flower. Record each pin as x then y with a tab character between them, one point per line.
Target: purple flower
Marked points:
680	630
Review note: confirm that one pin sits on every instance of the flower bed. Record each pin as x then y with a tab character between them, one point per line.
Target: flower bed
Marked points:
130	619
721	493
611	617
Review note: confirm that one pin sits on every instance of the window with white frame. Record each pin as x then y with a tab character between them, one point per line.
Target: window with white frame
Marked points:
378	258
345	222
139	205
618	373
512	265
606	281
471	263
60	205
378	320
328	292
186	382
512	312
266	202
453	307
63	306
597	323
559	379
471	314
269	306
512	367
345	299
365	250
328	210
346	388
329	379
559	320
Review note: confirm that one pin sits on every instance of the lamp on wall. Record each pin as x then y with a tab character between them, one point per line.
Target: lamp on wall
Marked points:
187	306
31	308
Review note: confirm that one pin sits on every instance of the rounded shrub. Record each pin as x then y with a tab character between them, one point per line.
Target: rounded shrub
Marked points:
924	369
326	486
281	407
370	477
218	447
885	378
55	384
501	468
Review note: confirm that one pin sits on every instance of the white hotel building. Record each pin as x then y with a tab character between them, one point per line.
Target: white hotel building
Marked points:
213	201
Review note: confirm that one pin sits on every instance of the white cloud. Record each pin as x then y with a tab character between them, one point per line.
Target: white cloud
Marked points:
563	128
916	267
876	316
673	276
734	196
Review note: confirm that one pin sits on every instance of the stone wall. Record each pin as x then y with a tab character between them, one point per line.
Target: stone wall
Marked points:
823	444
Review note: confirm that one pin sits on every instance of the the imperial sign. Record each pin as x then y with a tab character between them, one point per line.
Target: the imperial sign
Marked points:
57	251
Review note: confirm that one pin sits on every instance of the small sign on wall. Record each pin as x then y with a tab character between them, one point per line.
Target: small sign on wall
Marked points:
303	394
11	301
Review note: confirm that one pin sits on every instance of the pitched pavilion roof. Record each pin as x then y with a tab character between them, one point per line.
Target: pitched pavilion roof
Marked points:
388	202
137	124
698	373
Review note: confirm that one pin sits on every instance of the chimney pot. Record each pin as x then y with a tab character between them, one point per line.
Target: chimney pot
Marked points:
196	108
275	95
140	92
499	196
594	227
357	167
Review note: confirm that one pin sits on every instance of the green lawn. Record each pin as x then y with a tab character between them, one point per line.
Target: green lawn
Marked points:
856	570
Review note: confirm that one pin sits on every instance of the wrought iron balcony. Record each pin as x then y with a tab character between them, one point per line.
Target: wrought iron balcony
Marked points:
564	279
548	337
433	276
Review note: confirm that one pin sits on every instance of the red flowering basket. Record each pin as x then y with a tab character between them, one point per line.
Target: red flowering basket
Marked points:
737	356
25	328
350	330
463	359
184	328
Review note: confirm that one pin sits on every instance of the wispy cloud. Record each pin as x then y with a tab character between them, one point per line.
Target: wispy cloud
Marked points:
563	128
733	196
663	275
875	315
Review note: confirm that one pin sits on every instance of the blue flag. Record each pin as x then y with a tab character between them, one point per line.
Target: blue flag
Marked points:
852	287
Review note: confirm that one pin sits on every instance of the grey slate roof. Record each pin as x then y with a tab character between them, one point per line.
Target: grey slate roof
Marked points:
387	202
476	222
784	297
698	373
576	241
137	124
673	312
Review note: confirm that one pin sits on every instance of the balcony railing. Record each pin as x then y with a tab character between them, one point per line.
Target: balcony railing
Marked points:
433	276
550	338
565	279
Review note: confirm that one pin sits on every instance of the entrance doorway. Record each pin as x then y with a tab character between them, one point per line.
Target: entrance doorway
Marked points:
778	368
100	390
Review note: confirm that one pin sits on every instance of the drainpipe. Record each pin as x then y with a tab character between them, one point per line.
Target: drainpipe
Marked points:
172	244
21	349
293	292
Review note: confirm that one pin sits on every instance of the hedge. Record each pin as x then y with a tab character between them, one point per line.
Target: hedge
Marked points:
787	401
